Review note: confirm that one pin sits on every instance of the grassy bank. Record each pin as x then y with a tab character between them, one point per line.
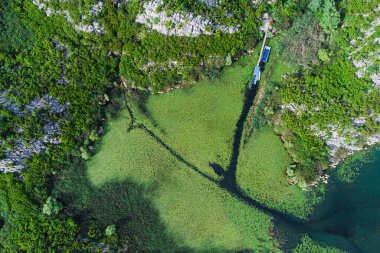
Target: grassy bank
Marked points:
261	173
308	245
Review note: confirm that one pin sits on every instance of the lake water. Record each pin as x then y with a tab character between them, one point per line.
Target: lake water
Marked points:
350	212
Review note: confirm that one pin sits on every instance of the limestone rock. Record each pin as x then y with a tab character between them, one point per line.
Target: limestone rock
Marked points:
178	24
22	150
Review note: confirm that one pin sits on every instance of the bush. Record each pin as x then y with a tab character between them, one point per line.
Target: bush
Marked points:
213	73
228	61
301	43
110	230
85	154
52	206
326	13
323	55
15	34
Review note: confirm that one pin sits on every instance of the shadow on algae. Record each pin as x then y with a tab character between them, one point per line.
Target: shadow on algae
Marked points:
348	218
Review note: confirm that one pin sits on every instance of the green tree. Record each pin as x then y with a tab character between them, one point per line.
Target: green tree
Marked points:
228	60
15	33
301	43
85	154
110	230
25	229
52	206
326	13
323	55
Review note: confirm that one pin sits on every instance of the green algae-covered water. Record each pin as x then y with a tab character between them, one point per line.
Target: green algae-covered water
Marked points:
349	216
352	210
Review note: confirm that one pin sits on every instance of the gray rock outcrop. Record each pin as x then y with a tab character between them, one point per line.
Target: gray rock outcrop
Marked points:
93	26
22	150
179	24
369	37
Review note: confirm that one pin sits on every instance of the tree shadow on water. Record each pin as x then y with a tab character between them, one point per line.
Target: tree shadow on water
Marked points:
124	204
217	168
141	99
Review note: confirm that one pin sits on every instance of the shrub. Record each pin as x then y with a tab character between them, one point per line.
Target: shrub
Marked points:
326	13
52	206
301	44
213	73
228	60
156	20
15	33
323	55
110	230
84	153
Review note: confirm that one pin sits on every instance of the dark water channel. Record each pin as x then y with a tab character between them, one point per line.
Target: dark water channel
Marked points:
348	218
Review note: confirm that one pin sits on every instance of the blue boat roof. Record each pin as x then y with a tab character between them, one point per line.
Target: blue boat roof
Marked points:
256	76
254	81
266	53
257	71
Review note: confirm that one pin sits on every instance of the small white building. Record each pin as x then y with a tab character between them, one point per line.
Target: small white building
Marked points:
267	23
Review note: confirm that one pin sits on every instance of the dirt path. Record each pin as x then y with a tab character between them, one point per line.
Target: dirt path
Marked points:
259	96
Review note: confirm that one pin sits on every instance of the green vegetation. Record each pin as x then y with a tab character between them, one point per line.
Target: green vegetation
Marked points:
300	44
272	76
26	229
123	204
193	55
47	56
326	13
308	245
80	192
33	66
335	96
199	121
323	99
211	212
351	37
349	169
196	213
15	32
52	206
261	174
